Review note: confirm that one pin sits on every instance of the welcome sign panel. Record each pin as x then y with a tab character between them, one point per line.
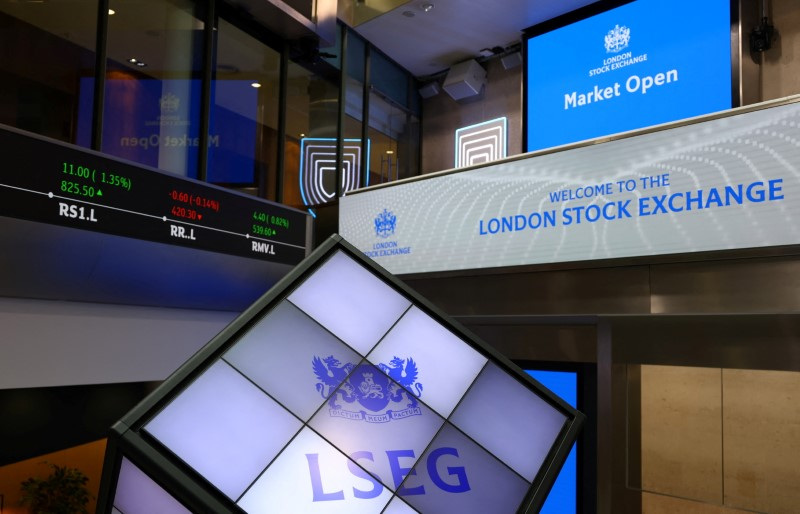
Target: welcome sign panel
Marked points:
346	395
720	184
641	64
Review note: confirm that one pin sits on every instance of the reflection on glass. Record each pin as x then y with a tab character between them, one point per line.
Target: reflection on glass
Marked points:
243	137
152	102
47	56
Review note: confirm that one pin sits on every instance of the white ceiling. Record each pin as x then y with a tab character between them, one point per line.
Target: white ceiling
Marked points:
455	30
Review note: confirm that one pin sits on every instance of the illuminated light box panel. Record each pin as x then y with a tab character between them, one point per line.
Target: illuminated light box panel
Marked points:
317	173
481	143
340	391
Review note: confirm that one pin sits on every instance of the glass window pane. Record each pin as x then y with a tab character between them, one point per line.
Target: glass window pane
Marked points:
372	416
351	302
289	355
356	48
225	428
389	78
457	475
353	124
509	420
243	138
47	66
428	360
313	477
153	85
394	137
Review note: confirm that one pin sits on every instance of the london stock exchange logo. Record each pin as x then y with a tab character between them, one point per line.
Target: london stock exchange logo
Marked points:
169	103
617	39
385	224
369	393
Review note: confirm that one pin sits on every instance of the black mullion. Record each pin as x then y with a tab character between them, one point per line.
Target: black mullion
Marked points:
205	89
340	114
101	48
365	118
282	99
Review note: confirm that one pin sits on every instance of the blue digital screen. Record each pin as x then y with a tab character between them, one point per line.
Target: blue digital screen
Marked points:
563	496
640	64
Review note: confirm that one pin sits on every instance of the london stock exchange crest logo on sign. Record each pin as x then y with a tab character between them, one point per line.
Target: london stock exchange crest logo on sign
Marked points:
617	39
385	223
369	393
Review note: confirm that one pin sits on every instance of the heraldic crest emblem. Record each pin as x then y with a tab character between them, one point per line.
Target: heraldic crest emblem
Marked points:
617	39
385	223
375	394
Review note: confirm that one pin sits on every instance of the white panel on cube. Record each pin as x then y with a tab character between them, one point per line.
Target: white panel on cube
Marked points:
419	344
217	426
312	476
137	493
304	346
342	391
350	302
502	415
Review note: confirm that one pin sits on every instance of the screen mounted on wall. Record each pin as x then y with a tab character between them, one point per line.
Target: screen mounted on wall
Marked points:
639	64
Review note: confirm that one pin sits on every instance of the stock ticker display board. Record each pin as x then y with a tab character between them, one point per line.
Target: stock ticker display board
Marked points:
56	183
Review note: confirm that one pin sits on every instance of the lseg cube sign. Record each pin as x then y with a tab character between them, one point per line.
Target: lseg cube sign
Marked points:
340	391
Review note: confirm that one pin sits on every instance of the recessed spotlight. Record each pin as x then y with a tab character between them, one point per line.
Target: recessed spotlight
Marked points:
409	14
256	85
390	152
133	60
141	64
427	6
112	12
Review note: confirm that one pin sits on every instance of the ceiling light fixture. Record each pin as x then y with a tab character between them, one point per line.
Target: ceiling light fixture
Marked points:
409	14
112	12
427	6
256	85
141	64
133	60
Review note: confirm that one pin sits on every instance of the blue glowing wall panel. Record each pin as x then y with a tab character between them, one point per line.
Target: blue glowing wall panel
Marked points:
641	64
563	496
